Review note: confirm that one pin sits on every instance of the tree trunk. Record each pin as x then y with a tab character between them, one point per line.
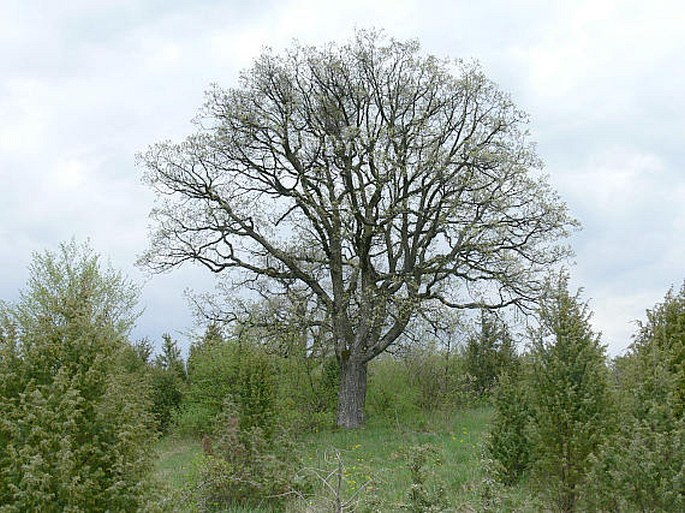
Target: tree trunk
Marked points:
352	393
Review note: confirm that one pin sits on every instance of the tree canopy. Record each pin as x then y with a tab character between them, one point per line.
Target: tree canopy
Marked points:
368	175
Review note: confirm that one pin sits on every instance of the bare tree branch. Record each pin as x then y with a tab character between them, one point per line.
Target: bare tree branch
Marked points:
377	178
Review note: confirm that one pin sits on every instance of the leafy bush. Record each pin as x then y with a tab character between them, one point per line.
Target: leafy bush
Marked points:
256	393
508	442
438	375
391	393
642	467
426	494
307	391
244	465
421	380
213	373
75	427
488	353
168	380
569	395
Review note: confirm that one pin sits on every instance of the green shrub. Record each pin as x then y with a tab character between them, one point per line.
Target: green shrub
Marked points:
166	396
421	380
306	391
391	393
508	442
569	396
439	377
256	392
168	381
194	420
426	494
213	371
243	465
642	468
488	353
75	427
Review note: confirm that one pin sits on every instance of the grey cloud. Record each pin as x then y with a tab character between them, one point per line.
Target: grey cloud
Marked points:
85	85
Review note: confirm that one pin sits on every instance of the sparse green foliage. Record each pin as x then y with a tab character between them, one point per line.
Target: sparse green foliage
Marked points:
244	464
142	350
74	422
271	388
168	379
336	491
569	395
488	353
426	494
306	391
286	327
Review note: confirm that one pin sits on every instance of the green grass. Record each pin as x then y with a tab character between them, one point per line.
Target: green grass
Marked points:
378	454
175	460
381	452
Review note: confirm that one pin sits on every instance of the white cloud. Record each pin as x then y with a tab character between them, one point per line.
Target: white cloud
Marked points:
24	121
628	254
69	174
617	182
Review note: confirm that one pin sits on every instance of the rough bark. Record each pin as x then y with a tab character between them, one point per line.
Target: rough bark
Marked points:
353	379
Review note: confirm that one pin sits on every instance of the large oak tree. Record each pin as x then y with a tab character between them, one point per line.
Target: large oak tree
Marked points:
369	175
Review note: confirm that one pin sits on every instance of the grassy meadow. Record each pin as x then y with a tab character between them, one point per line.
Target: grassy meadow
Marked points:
375	462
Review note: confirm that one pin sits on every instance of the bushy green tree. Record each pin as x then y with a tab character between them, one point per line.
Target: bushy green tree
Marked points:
245	463
170	358
508	443
168	379
212	337
286	328
656	373
488	353
74	421
232	368
569	395
249	455
642	468
213	368
256	392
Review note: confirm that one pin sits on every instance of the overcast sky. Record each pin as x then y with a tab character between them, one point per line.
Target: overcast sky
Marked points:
86	85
